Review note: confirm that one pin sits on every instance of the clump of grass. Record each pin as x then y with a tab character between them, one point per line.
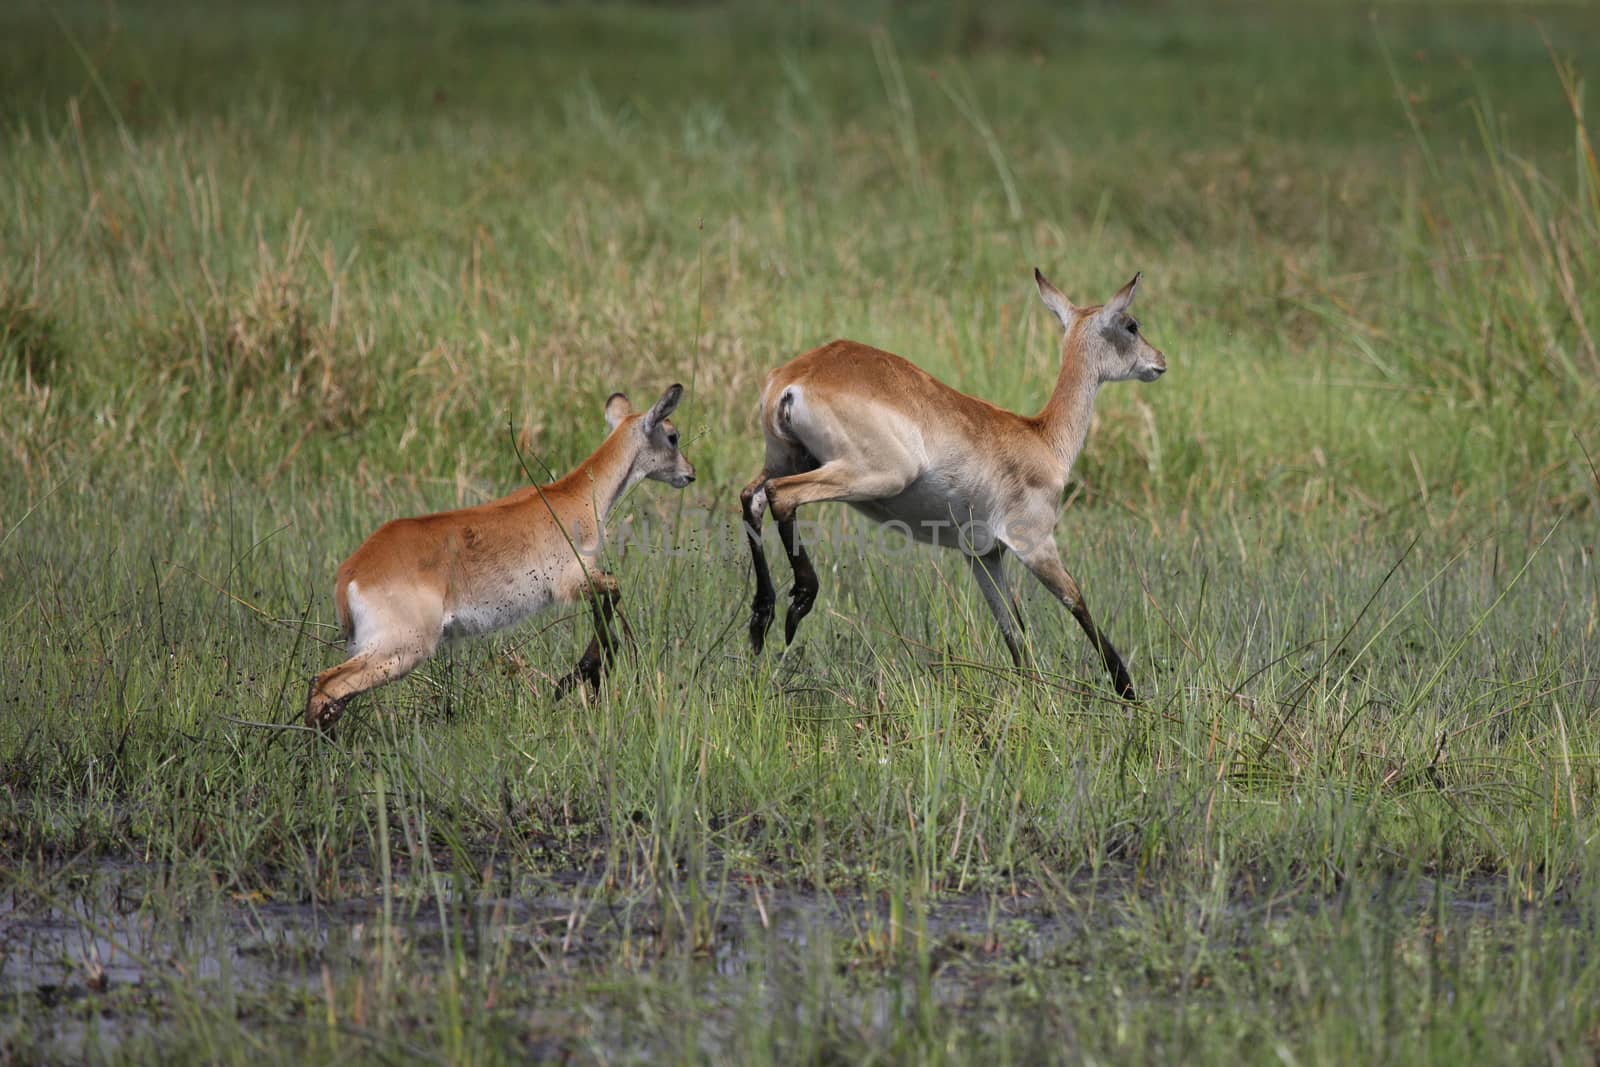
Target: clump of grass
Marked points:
1503	284
269	343
32	350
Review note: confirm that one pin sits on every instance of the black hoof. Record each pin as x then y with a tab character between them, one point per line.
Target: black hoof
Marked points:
322	720
585	671
760	621
800	602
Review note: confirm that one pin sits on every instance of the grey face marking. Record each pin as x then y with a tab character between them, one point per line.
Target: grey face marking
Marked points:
1121	332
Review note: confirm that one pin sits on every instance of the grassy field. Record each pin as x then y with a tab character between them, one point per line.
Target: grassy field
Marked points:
273	274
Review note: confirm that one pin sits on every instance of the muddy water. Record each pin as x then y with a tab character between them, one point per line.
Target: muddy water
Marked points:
116	925
83	938
117	930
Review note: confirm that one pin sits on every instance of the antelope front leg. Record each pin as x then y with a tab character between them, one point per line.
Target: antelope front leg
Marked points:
991	579
604	597
1046	566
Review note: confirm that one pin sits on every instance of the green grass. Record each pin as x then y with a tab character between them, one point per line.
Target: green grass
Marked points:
270	277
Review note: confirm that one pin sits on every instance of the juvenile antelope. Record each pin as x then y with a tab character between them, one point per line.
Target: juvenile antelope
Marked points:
475	570
852	423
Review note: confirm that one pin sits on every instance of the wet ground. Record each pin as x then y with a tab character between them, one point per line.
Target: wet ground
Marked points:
95	955
114	937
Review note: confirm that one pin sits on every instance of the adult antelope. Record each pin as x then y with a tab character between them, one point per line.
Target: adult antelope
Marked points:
852	423
460	573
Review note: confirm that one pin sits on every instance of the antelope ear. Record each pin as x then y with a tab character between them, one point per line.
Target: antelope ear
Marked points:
663	407
1054	299
617	409
1124	298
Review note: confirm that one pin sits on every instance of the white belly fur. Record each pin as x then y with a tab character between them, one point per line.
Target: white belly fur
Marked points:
504	605
507	607
933	512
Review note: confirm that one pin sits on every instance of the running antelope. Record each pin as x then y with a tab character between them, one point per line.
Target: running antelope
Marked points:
475	570
848	422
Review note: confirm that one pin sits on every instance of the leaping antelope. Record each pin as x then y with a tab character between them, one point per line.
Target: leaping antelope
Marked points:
852	423
475	570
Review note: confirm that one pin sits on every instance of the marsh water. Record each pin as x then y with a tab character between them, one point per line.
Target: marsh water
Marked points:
93	955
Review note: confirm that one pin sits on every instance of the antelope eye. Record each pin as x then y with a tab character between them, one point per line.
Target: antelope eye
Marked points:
1133	326
672	438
